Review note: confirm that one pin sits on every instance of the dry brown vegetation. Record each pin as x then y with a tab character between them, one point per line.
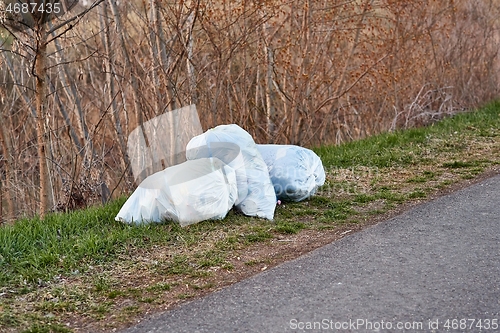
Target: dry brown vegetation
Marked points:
299	71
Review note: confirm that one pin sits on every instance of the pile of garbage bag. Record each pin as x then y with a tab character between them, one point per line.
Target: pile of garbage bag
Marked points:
225	168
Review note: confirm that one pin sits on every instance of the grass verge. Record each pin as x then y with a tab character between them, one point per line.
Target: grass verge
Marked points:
84	271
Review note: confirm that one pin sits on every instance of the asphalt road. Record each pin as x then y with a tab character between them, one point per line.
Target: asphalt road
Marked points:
435	268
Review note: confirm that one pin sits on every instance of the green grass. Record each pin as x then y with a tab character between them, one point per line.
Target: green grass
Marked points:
364	198
402	148
33	252
383	150
160	287
289	227
105	262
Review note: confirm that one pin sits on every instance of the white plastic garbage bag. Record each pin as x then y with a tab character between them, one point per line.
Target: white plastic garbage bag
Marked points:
235	147
295	172
186	193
